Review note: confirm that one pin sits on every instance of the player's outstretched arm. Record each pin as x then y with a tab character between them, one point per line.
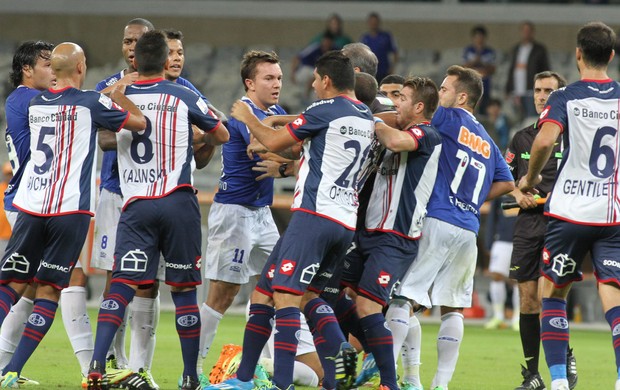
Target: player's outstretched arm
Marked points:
217	136
500	188
279	120
274	140
394	139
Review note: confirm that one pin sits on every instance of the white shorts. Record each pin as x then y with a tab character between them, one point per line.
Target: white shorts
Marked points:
446	262
107	214
240	239
501	252
106	221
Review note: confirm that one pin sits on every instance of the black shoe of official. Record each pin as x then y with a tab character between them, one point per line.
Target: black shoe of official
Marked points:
530	381
190	383
571	369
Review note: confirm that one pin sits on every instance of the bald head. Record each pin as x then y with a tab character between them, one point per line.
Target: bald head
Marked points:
65	59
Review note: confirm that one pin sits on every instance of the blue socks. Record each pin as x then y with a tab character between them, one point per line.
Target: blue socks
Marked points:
285	345
257	332
187	320
39	323
8	297
111	313
613	318
381	345
554	335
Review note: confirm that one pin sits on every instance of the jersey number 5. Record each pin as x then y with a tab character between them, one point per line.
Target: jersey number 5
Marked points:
45	149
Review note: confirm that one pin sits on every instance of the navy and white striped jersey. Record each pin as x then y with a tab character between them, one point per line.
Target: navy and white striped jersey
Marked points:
337	133
60	175
403	185
469	164
17	138
160	159
238	183
586	188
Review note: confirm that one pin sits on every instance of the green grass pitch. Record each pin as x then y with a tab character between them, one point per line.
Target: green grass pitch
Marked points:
488	359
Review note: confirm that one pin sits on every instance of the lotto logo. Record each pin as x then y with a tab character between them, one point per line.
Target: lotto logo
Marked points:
384	279
544	113
36	319
287	267
271	272
187	321
17	263
198	263
417	132
563	265
300	121
134	261
559	322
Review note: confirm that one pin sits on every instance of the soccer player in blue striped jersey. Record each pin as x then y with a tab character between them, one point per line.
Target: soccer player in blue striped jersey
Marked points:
584	207
385	249
471	170
56	198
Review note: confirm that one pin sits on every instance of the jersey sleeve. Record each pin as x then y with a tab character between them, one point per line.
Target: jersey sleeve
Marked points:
107	114
555	111
100	86
308	123
201	116
502	172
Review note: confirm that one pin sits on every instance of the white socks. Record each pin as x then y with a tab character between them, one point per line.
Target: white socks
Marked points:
411	352
209	320
12	329
77	324
143	322
448	343
397	318
498	298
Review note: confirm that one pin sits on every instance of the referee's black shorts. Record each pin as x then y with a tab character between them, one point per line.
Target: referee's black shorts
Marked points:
527	245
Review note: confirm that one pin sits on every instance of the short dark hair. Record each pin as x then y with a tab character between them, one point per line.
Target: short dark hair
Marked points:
141	22
596	41
338	68
392	79
548	74
151	53
374	14
468	81
479	29
361	57
27	54
173	34
425	91
365	88
251	59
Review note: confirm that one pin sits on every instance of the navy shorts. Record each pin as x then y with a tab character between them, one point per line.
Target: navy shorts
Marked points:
44	249
566	245
306	255
377	263
170	225
527	246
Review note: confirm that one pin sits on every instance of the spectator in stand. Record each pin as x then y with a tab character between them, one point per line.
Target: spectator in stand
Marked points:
497	123
381	43
528	57
303	62
334	26
481	57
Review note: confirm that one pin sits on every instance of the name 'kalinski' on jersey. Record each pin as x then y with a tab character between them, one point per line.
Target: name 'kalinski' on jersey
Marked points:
143	175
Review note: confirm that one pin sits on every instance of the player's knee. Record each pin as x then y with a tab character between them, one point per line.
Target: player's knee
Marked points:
78	278
222	295
366	307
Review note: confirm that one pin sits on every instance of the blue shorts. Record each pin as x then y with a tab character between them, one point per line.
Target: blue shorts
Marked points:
44	249
378	261
566	245
305	256
170	225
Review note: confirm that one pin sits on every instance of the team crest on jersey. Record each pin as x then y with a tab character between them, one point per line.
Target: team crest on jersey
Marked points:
509	156
297	123
546	256
287	267
563	265
36	319
384	279
16	263
545	112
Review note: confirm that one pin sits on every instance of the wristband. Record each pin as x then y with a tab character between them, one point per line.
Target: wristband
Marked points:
378	120
282	169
